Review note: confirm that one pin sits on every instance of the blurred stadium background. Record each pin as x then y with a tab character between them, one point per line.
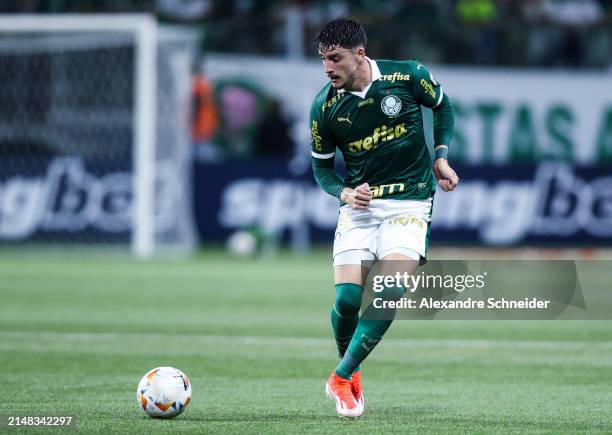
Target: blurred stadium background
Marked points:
175	131
171	129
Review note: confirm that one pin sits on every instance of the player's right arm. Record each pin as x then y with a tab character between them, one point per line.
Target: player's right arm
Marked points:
323	152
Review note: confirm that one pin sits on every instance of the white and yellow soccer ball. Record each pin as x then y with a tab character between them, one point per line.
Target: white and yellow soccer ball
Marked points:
163	392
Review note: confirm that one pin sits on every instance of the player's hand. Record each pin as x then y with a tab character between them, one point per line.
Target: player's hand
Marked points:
358	198
447	178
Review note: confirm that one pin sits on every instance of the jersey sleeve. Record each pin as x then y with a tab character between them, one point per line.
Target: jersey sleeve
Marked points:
321	144
427	89
323	150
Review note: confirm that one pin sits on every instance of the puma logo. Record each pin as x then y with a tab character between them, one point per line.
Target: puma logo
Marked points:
368	343
345	118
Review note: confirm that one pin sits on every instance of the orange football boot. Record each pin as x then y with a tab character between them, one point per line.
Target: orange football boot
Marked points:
340	390
357	389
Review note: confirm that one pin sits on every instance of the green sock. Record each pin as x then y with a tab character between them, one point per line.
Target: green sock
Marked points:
345	315
370	329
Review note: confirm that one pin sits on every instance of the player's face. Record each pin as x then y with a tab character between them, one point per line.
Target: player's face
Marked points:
340	65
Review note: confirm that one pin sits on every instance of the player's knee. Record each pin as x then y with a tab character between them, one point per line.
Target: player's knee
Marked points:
348	299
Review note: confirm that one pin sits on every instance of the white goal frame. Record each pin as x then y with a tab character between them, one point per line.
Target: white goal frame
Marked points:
145	30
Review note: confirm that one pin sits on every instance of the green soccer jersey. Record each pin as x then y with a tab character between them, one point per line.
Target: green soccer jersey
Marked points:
380	130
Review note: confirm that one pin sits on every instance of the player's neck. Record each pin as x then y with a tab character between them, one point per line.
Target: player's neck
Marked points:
362	77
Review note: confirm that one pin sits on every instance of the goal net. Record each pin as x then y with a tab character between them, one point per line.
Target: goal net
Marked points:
94	134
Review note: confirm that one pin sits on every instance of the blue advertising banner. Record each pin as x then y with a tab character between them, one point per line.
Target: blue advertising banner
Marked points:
65	199
545	204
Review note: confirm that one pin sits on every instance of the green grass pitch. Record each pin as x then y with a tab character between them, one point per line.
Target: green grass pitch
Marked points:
78	331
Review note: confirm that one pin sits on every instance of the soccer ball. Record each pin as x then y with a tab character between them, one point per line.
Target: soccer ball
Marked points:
242	244
163	392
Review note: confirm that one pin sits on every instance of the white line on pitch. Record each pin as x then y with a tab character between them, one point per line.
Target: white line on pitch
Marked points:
305	341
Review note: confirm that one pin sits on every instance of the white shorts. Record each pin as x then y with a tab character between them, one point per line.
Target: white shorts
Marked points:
387	226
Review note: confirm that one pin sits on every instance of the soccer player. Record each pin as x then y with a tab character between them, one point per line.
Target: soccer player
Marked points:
371	111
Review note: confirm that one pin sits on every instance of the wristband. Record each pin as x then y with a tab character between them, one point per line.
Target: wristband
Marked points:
441	153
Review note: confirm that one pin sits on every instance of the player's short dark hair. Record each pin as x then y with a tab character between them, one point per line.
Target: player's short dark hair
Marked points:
342	32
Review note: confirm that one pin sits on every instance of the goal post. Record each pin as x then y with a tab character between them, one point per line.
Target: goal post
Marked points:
92	38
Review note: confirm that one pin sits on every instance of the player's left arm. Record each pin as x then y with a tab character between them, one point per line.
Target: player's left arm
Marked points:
429	93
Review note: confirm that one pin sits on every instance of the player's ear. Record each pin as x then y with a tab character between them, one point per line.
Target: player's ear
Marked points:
360	54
